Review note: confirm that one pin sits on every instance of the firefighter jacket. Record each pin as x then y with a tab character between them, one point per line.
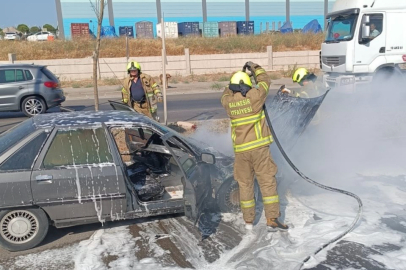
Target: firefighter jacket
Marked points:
310	90
151	89
249	129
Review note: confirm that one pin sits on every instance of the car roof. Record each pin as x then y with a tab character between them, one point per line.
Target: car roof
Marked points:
89	118
21	66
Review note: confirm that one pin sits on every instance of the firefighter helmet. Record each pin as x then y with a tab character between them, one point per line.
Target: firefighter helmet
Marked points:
240	82
133	66
241	77
300	74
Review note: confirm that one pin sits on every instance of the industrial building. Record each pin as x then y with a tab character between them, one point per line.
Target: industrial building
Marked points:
265	14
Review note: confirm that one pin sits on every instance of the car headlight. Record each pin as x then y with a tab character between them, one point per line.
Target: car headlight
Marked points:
347	81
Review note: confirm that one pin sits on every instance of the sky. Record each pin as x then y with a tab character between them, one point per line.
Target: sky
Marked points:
32	13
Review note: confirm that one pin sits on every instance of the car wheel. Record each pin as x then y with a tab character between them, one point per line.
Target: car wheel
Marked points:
32	106
228	196
22	229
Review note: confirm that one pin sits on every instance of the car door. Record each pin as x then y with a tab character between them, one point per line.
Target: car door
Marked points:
76	176
120	106
373	50
15	170
196	176
12	81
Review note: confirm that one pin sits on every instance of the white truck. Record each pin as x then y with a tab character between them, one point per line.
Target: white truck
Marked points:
365	41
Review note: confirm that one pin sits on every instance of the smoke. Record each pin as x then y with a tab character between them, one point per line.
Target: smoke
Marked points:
215	134
361	132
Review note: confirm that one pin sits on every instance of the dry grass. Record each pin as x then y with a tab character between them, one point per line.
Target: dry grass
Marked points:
59	49
218	80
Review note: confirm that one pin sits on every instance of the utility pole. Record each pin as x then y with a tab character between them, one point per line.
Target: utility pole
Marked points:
158	10
247	10
288	11
204	9
325	14
164	69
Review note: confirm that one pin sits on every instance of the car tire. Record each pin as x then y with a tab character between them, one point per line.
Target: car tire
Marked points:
228	196
32	106
22	229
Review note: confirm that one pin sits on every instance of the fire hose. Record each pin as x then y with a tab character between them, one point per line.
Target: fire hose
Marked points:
311	181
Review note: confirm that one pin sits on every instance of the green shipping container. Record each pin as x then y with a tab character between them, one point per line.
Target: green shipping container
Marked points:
210	29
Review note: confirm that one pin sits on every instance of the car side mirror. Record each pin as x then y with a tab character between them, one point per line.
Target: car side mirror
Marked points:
208	158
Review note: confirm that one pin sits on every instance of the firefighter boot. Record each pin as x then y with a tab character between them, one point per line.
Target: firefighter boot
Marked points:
274	225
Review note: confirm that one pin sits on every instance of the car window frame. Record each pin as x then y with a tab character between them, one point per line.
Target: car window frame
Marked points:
39	162
26	77
9	152
20	146
5	69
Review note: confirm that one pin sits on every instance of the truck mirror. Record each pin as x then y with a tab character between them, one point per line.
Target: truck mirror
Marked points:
365	19
366	31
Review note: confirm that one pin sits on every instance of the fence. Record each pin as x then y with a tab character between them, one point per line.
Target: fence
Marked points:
78	69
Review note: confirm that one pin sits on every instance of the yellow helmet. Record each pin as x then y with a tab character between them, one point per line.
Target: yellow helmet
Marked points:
241	77
300	74
240	82
133	66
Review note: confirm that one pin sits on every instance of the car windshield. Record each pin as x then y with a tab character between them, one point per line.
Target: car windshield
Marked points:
15	135
341	28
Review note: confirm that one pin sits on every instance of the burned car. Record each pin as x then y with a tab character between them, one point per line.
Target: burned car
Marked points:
67	169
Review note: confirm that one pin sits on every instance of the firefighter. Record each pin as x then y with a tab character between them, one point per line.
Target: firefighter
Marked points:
141	92
307	81
251	139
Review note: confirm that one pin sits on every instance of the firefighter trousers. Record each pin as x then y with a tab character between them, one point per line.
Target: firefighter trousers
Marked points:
142	108
257	162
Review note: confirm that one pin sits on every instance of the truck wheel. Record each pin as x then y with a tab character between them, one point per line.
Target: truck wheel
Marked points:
22	229
228	196
32	106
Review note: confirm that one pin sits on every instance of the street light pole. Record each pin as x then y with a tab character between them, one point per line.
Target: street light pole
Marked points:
164	69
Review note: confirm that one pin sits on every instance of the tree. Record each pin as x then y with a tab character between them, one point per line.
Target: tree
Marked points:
34	29
49	28
98	9
1	32
23	28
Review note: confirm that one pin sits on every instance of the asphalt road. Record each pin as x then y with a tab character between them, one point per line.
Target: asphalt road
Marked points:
180	107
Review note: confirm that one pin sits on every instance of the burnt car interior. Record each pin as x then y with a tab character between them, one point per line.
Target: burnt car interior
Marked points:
150	166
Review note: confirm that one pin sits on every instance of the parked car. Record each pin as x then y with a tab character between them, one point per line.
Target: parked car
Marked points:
11	36
32	89
40	36
67	169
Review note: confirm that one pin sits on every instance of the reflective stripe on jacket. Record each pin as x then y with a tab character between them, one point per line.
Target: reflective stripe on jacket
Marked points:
248	124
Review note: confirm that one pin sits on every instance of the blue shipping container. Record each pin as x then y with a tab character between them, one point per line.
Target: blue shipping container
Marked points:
188	29
245	27
126	31
108	31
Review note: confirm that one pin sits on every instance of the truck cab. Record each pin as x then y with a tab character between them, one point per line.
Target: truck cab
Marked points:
365	40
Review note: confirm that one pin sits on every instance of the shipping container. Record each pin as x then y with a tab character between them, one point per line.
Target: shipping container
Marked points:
171	30
108	32
126	31
245	27
144	29
79	30
210	29
227	28
188	29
